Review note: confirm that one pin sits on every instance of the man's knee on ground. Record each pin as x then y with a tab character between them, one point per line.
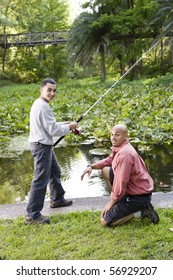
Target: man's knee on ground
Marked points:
103	222
118	222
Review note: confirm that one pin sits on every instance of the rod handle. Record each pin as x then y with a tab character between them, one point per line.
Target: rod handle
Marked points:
79	119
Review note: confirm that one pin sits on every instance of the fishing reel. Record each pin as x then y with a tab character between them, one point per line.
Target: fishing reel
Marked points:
77	131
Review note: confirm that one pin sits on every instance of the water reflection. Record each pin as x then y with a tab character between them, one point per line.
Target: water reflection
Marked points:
160	164
73	161
16	172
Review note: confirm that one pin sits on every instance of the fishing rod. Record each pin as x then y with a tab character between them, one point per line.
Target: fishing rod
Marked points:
103	95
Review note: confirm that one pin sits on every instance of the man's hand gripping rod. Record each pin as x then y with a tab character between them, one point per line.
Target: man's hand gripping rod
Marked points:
98	100
81	117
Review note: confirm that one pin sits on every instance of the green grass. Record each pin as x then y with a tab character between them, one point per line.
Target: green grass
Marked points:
80	236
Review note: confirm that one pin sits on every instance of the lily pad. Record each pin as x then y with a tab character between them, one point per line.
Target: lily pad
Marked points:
99	152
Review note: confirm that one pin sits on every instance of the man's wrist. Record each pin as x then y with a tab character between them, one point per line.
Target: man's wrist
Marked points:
90	165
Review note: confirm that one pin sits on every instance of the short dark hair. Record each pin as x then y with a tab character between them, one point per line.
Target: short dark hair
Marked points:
48	80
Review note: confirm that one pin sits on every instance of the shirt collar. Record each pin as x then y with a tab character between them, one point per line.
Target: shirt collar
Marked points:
116	149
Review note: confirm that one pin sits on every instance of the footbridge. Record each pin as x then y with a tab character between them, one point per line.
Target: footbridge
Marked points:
33	39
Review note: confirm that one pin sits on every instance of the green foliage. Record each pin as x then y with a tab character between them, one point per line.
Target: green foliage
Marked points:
87	37
80	236
15	106
120	31
34	15
29	64
144	105
164	14
109	33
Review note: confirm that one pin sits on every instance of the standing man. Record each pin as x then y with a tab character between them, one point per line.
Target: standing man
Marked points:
131	185
43	127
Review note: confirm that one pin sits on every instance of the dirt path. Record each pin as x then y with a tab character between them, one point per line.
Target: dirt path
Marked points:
10	211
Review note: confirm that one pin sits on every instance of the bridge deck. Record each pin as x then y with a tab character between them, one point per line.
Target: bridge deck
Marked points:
33	39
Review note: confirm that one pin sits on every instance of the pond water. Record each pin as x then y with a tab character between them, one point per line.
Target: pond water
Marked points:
16	170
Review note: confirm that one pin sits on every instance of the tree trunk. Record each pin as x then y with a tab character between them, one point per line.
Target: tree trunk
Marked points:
161	52
103	67
3	60
171	52
54	63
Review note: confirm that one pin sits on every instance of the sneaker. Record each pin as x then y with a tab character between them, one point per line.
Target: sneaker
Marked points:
64	203
39	220
150	213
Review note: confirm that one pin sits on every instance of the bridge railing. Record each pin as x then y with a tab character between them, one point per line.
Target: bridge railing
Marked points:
34	39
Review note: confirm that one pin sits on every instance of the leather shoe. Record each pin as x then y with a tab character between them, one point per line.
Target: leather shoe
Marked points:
63	203
39	220
150	213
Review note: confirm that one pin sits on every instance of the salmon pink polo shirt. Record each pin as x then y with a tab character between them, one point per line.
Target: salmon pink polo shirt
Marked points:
130	172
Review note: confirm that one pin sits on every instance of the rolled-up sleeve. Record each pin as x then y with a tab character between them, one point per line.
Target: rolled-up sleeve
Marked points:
105	162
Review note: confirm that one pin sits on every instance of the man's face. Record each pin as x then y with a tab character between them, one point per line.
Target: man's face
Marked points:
118	136
48	92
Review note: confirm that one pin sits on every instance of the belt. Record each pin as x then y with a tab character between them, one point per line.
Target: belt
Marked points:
144	194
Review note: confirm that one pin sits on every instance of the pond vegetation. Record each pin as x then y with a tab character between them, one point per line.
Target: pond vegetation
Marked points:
144	105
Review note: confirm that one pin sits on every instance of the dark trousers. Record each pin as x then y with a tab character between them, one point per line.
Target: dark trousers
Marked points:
128	204
46	170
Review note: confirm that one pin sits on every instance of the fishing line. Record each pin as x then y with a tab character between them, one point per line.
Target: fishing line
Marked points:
125	74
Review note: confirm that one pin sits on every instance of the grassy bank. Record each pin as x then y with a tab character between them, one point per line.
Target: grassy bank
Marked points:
80	236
